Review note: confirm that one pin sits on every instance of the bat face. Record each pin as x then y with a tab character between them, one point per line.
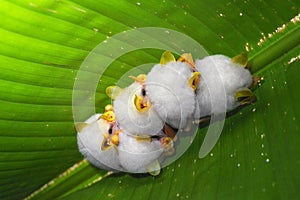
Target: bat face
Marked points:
96	142
135	113
140	97
111	137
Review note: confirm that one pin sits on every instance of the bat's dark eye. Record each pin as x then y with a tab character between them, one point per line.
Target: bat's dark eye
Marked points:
110	130
143	92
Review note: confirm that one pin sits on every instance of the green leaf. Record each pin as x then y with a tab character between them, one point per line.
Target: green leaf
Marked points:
43	44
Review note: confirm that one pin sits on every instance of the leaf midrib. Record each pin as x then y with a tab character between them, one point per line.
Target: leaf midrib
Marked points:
261	60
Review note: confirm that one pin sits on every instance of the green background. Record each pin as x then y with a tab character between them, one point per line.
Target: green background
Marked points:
43	43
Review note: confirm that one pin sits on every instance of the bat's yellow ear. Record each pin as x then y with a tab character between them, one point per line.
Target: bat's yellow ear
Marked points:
168	145
166	57
244	96
241	59
143	138
187	57
108	107
154	168
140	78
194	80
113	91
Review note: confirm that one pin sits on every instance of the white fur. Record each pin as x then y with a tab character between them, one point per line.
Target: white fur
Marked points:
135	122
170	93
135	156
219	81
89	143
